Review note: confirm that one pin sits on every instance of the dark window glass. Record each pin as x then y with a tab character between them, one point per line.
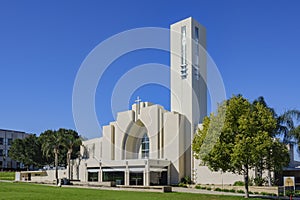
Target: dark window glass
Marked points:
93	176
114	176
197	51
145	146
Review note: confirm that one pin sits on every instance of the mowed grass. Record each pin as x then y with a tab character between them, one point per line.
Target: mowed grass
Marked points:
10	176
33	192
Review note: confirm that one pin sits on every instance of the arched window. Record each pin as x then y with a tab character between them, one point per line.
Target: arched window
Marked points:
145	146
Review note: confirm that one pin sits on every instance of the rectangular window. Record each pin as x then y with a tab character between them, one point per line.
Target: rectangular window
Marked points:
118	177
93	176
183	45
183	53
196	54
1	141
145	146
145	154
9	141
1	152
197	46
196	33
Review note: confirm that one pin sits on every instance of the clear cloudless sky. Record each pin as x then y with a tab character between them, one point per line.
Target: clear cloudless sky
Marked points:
255	44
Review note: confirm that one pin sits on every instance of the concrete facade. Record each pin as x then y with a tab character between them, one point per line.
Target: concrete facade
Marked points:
121	148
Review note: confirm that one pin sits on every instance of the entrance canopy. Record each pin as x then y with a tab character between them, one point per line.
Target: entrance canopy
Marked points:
135	165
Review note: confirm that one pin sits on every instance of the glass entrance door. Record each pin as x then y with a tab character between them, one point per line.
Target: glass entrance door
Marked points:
136	178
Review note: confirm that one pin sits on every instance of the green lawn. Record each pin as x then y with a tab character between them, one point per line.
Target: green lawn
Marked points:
31	191
7	176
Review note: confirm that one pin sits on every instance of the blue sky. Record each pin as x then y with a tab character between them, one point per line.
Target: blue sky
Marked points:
255	45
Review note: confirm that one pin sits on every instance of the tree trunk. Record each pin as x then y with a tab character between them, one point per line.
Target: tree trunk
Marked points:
246	178
56	165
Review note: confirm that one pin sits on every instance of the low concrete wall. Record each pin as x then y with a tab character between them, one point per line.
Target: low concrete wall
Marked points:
153	188
96	184
47	176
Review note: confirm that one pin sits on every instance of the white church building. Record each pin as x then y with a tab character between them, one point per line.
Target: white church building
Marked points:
149	145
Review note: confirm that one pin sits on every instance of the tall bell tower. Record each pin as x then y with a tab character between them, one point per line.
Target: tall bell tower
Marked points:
188	70
188	80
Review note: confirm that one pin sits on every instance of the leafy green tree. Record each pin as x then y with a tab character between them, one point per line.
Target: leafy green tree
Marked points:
277	153
286	123
17	151
238	138
27	151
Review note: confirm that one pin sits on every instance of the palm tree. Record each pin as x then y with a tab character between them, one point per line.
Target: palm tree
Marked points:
71	141
51	144
287	127
286	123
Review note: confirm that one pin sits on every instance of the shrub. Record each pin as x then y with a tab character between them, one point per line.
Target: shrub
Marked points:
239	183
198	186
203	188
297	193
182	185
208	188
10	176
268	194
232	190
218	189
289	193
256	192
259	181
225	190
186	180
240	191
